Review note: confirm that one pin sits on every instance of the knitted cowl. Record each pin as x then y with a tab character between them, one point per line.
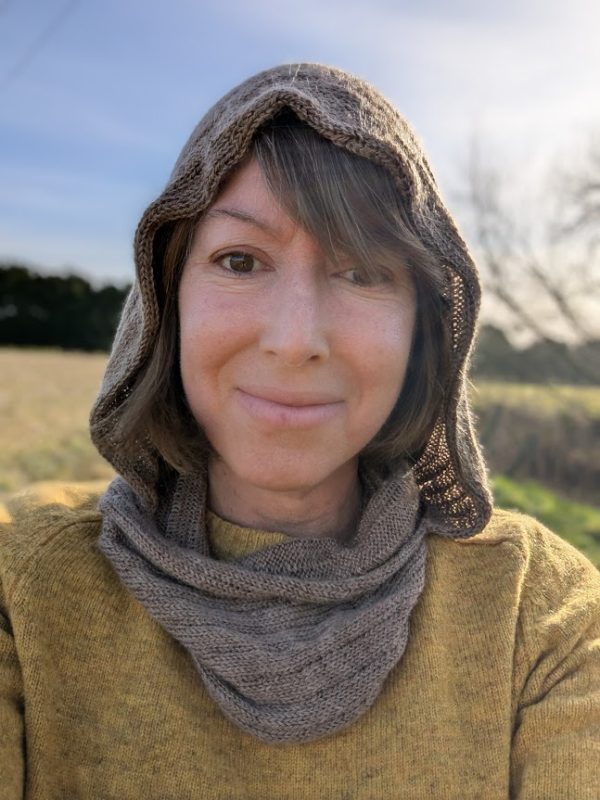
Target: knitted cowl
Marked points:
294	641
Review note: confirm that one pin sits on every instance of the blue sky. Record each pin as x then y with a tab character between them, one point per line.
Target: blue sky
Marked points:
93	114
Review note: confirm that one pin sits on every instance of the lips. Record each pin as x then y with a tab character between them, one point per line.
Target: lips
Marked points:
285	409
286	397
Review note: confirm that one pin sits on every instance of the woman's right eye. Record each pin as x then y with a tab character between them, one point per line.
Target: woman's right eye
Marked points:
238	263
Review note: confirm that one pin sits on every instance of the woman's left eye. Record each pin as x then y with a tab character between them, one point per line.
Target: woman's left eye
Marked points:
238	263
357	276
362	277
373	278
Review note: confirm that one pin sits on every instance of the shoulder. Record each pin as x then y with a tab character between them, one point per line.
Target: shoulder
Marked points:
536	548
36	522
39	510
517	561
532	549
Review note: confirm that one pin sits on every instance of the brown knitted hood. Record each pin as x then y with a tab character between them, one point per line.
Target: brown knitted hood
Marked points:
450	472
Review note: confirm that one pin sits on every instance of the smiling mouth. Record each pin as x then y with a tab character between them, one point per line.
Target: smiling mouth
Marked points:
289	410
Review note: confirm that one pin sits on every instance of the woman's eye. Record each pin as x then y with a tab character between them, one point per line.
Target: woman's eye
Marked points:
357	276
362	277
240	263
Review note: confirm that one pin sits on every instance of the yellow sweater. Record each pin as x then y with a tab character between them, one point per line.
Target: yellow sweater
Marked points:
497	695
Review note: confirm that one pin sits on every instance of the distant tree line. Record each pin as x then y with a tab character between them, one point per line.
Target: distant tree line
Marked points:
68	312
56	311
543	361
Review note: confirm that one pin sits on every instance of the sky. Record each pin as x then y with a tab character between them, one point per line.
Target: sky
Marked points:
97	97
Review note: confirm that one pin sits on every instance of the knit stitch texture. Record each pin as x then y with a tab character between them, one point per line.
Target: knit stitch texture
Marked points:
352	114
497	695
295	643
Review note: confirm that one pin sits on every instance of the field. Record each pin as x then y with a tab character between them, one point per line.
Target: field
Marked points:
44	405
546	433
535	437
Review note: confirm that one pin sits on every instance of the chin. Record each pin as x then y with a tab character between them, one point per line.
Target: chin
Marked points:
292	473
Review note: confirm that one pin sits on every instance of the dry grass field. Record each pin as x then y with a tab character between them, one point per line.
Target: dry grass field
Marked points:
529	432
45	397
550	434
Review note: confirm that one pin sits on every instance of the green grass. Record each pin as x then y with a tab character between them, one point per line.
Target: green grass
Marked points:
578	523
548	434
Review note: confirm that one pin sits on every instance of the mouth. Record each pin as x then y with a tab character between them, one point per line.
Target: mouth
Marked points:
289	410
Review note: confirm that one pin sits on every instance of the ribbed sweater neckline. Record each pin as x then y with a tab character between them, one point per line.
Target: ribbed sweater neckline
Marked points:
229	541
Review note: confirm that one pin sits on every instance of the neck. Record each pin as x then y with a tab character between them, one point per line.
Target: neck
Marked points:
330	509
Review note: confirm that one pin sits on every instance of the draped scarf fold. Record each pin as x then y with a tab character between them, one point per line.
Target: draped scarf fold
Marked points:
294	640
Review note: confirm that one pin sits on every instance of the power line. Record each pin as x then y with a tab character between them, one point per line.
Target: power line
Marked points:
22	63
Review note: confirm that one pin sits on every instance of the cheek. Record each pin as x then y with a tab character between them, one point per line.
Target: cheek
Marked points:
200	332
206	310
213	331
382	350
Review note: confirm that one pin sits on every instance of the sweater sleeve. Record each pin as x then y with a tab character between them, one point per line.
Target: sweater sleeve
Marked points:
556	738
12	759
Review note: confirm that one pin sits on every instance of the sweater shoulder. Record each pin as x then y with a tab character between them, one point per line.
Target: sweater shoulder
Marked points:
544	560
526	535
35	518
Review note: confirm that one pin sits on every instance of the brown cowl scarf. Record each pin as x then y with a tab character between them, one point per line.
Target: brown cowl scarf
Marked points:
295	640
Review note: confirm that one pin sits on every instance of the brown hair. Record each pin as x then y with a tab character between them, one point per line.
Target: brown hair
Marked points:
350	205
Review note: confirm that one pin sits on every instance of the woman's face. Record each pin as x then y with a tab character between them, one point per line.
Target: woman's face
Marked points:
290	363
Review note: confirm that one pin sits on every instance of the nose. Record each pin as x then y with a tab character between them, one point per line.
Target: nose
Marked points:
295	328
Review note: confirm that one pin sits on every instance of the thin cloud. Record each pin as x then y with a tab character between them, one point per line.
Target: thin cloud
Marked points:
99	258
109	110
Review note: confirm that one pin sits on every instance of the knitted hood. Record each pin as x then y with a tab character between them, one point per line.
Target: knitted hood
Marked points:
449	472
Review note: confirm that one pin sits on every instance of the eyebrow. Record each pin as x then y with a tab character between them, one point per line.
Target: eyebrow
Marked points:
243	216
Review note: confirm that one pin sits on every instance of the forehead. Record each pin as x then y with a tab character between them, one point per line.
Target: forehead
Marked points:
248	188
246	199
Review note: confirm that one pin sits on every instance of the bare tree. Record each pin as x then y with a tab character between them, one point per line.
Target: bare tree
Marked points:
581	186
579	189
541	265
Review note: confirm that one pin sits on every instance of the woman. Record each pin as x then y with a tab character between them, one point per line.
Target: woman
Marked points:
296	586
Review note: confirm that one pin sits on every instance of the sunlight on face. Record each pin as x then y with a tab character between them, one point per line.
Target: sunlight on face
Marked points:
290	363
